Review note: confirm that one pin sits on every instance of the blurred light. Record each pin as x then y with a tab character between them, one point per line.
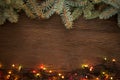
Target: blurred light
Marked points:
38	75
16	78
113	60
59	74
62	77
9	72
107	76
13	65
33	71
50	71
91	68
19	68
44	68
105	58
97	78
103	72
84	65
8	76
75	74
111	78
86	77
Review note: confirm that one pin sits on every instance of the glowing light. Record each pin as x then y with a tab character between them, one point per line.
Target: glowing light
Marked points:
16	78
106	76
59	74
9	72
50	71
44	68
62	77
86	76
97	78
75	74
8	76
33	71
19	68
103	72
113	60
41	66
111	78
91	68
38	75
105	58
13	65
85	66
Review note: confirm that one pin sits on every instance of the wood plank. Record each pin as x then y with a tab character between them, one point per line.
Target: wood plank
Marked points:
32	42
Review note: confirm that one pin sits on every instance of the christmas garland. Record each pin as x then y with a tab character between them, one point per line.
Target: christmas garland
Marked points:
69	10
106	70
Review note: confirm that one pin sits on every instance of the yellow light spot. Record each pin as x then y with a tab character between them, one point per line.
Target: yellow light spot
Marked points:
111	78
50	71
59	74
103	72
8	76
13	65
97	78
113	60
85	65
105	58
44	68
107	76
16	78
62	77
38	74
19	68
9	72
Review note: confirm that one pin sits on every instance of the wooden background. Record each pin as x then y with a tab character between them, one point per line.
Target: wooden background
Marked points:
32	42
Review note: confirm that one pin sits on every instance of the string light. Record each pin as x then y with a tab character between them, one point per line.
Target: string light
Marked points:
97	78
111	78
13	65
38	74
103	72
113	60
44	68
80	74
62	77
50	71
34	71
76	74
105	58
8	76
9	72
20	67
85	65
41	66
86	77
59	74
91	68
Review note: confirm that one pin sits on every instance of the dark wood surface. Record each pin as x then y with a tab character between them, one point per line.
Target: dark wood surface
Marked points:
32	42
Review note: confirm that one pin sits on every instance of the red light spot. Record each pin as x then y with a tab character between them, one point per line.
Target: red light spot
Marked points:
34	71
41	66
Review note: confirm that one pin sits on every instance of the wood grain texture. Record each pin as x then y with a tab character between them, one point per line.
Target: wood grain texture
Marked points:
32	42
